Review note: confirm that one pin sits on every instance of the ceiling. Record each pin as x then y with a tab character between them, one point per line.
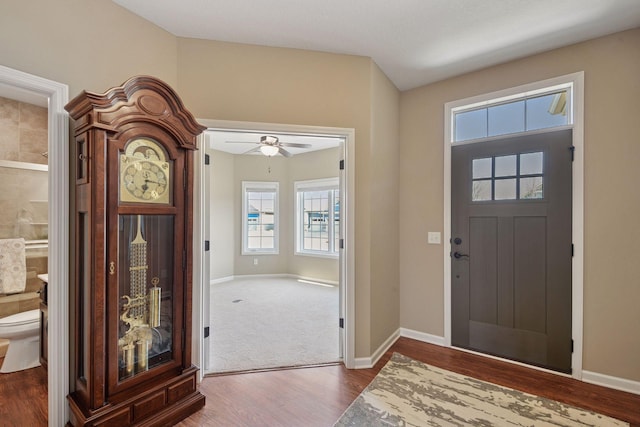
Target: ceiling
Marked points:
414	42
241	141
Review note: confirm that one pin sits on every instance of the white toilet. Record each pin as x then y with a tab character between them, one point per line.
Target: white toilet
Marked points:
23	332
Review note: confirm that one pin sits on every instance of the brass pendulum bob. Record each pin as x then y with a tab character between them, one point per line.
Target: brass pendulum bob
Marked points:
127	355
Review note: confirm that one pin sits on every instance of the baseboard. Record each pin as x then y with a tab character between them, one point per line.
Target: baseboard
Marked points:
369	362
271	276
313	279
422	336
221	280
611	382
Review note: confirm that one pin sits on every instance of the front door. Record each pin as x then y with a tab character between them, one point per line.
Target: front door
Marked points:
511	248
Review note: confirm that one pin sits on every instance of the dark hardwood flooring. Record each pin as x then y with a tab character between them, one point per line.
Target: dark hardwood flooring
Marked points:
23	398
318	396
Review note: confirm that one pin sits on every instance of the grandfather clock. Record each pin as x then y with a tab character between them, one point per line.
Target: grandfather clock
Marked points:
131	325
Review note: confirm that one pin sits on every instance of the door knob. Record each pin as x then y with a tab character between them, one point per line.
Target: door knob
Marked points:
458	255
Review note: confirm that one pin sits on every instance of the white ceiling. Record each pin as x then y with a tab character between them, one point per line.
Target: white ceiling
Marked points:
414	42
241	141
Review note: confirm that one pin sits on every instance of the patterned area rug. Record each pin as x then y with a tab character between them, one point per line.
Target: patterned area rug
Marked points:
407	392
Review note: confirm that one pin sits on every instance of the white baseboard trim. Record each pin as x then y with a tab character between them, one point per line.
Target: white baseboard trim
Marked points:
272	276
313	279
422	336
369	362
608	381
221	280
611	382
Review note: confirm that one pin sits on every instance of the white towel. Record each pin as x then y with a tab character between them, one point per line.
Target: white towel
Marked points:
13	266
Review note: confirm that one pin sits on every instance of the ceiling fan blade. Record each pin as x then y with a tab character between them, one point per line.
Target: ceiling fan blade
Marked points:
242	142
284	152
295	144
253	150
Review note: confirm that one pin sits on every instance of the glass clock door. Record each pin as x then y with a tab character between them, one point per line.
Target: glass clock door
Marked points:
145	283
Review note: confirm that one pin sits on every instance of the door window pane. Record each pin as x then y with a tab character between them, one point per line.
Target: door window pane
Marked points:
471	125
531	188
506	118
481	168
506	165
531	163
505	189
481	190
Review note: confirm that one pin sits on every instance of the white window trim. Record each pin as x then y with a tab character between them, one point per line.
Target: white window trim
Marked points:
258	186
311	185
576	82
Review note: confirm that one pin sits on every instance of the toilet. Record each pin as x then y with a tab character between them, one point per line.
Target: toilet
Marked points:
23	332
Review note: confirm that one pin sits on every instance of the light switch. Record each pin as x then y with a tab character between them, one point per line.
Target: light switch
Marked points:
433	237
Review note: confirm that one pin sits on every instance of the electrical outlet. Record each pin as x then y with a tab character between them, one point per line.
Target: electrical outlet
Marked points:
255	261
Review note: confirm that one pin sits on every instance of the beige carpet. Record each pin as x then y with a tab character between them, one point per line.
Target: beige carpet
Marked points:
271	323
407	392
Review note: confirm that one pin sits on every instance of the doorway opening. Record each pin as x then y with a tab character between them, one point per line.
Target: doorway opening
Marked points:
276	277
49	98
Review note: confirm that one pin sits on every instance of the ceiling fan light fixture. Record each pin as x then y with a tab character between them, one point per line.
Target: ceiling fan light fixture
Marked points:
269	150
268	139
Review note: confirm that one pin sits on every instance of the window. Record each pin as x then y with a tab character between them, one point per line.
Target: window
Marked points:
318	217
520	113
513	177
259	217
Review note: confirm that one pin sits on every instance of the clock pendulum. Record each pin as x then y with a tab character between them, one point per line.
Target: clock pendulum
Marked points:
141	312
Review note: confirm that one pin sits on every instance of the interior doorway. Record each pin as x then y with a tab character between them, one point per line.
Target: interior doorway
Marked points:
36	90
277	220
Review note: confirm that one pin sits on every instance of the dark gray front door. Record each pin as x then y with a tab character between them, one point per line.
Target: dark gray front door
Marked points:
511	248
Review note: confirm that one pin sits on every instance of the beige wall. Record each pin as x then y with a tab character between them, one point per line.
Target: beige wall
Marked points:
227	81
383	184
92	45
226	206
612	202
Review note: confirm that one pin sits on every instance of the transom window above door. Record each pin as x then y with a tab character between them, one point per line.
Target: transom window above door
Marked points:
512	177
524	113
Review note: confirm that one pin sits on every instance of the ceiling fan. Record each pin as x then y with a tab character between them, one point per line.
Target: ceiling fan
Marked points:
271	145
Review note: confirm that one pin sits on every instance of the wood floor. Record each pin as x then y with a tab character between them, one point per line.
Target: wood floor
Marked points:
318	396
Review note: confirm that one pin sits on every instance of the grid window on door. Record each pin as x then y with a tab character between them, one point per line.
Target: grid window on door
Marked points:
512	177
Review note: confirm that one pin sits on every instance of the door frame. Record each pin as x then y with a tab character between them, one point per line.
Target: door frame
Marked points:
57	95
576	82
347	256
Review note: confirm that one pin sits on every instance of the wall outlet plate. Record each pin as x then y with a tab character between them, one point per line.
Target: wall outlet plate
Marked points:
433	237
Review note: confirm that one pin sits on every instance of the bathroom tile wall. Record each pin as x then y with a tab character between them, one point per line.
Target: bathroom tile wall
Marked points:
23	131
23	192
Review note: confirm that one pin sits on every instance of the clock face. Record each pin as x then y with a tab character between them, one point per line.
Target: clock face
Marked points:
144	173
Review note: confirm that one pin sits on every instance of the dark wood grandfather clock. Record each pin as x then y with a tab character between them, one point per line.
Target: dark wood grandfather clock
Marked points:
133	257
